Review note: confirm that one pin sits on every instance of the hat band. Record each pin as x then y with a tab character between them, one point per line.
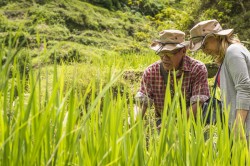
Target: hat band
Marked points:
211	33
197	37
159	49
162	45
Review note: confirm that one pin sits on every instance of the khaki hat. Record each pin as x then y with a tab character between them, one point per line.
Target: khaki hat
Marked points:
170	40
204	29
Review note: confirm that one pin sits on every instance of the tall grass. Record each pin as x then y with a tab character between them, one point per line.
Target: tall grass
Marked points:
61	128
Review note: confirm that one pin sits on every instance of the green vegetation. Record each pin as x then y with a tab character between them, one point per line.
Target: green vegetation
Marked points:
69	71
60	128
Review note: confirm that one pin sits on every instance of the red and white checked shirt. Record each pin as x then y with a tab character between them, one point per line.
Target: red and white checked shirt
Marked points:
194	84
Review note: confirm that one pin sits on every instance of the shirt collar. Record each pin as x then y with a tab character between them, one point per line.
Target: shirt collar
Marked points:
186	63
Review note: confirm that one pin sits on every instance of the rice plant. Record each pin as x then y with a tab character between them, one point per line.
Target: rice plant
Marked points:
50	124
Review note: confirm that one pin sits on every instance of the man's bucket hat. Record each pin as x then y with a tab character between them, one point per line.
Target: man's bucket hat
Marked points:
170	40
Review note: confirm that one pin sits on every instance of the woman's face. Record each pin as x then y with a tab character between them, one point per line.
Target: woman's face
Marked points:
172	60
210	46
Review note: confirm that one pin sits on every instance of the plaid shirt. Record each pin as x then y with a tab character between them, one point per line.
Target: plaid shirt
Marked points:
194	84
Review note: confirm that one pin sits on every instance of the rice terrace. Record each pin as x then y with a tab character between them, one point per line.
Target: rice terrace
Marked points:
70	70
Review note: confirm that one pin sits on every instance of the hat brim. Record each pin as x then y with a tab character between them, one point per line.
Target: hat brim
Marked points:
156	46
195	46
226	32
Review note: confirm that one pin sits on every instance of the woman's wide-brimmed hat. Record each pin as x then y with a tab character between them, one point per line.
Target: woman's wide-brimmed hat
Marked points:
170	40
201	31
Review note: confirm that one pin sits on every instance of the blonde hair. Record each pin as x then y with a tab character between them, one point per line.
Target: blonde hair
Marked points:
225	41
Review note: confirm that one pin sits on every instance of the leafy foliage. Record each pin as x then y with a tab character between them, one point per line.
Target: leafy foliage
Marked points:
78	114
146	7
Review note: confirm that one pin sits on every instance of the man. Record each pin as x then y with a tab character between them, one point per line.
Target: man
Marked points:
171	48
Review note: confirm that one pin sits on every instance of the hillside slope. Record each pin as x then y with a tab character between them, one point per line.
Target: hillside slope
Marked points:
76	28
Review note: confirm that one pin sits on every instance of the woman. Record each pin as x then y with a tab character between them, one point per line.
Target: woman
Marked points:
234	59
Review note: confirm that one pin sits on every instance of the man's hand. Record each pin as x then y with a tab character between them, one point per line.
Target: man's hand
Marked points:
240	122
194	109
136	113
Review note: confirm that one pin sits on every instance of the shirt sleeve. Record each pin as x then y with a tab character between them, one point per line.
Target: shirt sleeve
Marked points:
145	94
238	70
199	86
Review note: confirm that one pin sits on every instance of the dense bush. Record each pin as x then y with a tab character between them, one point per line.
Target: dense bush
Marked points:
146	7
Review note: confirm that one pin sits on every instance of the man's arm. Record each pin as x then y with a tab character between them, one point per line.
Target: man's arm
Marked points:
142	103
193	109
200	89
143	96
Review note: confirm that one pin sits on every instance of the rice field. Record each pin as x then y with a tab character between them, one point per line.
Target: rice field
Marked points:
43	122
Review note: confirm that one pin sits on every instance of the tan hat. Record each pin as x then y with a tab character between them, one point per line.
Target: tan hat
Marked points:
200	32
170	40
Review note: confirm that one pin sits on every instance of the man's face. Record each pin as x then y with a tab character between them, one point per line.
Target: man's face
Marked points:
172	60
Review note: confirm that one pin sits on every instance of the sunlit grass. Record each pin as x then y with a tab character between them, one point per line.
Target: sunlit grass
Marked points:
60	129
45	119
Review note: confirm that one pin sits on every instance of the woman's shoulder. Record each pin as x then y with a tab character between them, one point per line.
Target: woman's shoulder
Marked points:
235	47
236	53
235	50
